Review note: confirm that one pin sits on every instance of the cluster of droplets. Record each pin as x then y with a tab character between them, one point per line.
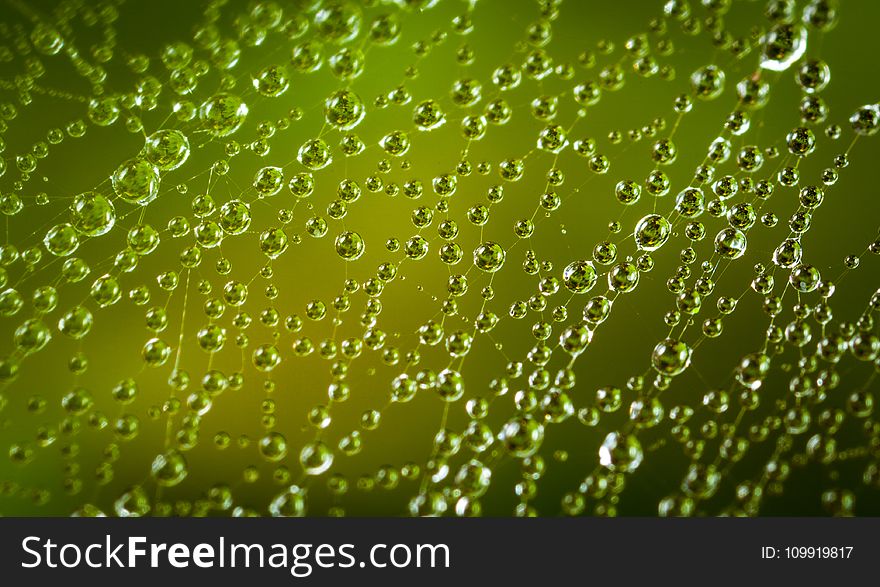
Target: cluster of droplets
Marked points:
198	113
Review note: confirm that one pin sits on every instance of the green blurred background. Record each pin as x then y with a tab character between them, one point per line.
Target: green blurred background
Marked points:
621	348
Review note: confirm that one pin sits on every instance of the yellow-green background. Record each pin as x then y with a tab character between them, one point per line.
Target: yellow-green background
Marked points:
845	224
